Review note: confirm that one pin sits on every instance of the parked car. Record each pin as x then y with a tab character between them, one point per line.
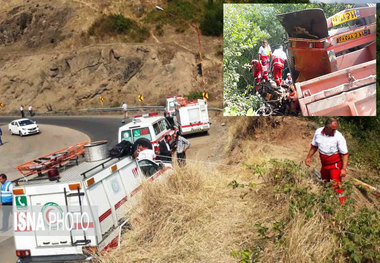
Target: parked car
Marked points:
23	127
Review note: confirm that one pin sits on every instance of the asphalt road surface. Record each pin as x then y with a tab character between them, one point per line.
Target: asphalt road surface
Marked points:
96	127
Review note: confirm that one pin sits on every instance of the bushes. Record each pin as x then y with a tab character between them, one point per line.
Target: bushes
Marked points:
212	23
194	95
308	211
117	24
210	16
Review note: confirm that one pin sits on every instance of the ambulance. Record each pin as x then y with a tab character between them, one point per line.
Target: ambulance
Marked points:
191	116
146	127
83	211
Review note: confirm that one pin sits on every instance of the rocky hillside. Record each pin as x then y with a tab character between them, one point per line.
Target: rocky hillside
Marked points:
48	57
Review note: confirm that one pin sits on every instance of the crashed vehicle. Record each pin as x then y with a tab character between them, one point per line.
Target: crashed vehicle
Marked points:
334	69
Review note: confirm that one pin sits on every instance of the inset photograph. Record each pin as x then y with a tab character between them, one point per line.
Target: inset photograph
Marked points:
300	59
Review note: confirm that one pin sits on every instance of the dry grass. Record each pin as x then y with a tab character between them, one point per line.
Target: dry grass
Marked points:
215	214
186	219
308	240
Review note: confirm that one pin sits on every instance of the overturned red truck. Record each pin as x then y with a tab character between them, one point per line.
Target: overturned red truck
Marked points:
333	60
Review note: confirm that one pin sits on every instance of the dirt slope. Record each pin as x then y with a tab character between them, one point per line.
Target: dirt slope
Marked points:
47	57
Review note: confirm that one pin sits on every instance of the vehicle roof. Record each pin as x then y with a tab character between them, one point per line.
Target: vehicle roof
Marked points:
142	122
24	119
72	173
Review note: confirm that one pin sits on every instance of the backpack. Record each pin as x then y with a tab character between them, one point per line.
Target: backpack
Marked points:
124	148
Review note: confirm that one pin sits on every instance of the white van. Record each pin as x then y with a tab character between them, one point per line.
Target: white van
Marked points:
148	126
82	213
191	116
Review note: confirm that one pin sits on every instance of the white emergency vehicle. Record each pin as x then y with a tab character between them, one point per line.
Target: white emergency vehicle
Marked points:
191	116
81	213
150	127
170	106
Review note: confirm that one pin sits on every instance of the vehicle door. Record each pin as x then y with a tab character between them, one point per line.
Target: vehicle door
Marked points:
16	127
151	170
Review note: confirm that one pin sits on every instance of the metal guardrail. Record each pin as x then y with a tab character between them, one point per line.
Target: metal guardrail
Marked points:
94	110
116	109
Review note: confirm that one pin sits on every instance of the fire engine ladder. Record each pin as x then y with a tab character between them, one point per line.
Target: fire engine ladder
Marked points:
78	194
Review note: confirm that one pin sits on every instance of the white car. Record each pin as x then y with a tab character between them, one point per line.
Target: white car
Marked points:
23	127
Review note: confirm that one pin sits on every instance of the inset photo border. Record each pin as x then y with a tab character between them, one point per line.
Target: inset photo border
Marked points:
299	59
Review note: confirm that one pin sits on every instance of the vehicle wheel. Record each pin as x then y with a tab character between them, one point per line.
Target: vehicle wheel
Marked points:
19	133
144	142
11	131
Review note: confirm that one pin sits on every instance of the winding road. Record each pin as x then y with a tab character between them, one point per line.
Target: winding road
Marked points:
204	149
96	127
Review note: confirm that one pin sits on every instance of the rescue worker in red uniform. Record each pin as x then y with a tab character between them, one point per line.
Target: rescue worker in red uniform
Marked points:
333	153
265	54
257	73
279	58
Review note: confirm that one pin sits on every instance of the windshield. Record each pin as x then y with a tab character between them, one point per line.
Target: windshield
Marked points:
25	122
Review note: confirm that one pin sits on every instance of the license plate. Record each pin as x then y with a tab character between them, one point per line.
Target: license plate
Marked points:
346	16
352	36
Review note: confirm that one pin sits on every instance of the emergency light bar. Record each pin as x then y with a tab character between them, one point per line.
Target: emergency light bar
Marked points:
152	114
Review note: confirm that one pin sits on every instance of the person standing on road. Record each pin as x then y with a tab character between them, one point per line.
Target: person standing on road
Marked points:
279	58
22	112
182	146
1	133
30	109
333	153
165	149
6	200
125	113
265	54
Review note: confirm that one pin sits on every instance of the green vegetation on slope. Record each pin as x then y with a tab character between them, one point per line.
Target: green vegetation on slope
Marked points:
245	26
182	13
117	24
308	213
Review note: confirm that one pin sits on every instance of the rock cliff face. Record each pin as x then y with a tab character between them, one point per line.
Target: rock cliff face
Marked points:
46	60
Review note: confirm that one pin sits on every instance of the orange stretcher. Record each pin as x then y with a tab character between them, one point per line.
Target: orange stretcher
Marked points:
52	160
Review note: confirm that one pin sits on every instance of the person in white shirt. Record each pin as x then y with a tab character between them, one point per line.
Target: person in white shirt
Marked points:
22	112
288	81
333	153
30	109
125	112
265	54
279	58
145	153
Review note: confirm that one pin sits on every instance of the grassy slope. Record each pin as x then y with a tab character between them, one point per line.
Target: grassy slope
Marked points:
250	211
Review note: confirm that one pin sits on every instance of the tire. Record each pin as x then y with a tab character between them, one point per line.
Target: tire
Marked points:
20	133
11	131
144	142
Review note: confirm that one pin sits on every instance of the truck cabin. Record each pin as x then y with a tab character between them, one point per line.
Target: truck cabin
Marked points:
318	46
150	127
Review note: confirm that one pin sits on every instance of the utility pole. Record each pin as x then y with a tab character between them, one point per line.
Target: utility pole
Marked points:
197	31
